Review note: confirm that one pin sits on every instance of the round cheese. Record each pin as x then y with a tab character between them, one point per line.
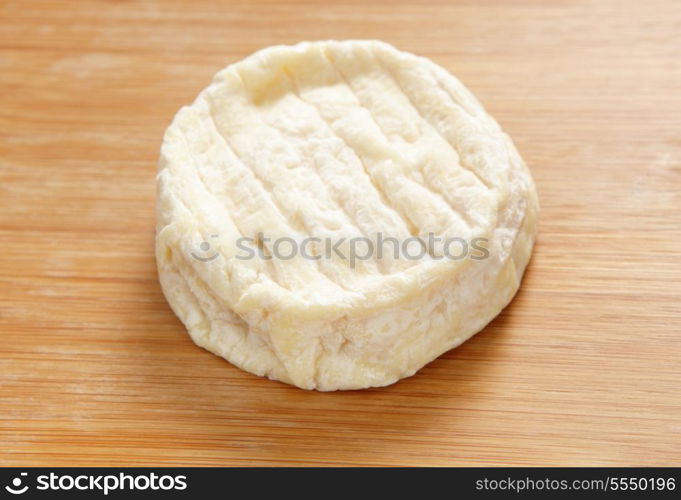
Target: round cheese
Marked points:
335	215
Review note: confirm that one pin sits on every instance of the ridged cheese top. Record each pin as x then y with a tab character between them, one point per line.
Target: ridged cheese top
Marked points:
329	140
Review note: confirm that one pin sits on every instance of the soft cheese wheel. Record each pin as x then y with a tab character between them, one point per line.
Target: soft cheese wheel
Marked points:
338	141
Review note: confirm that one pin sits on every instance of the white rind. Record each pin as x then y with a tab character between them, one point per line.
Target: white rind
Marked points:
335	139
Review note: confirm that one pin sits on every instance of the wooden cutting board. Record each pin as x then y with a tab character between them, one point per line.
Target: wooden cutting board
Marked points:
583	368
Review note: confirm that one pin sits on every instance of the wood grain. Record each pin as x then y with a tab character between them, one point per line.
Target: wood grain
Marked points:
582	369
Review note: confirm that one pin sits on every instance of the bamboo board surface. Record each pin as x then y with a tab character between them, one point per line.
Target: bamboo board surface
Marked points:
583	368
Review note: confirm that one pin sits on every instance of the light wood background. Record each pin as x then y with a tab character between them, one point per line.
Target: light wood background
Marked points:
583	368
